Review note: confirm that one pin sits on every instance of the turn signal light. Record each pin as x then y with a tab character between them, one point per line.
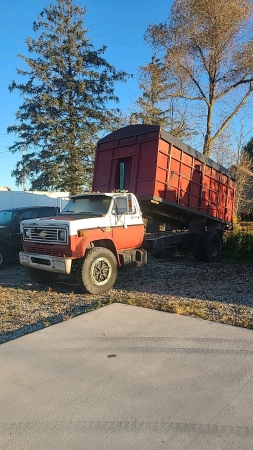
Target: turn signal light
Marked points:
81	233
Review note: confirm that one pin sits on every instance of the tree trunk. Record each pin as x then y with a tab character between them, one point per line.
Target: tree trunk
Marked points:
209	122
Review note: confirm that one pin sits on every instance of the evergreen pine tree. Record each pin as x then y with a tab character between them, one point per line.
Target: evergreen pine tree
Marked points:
68	86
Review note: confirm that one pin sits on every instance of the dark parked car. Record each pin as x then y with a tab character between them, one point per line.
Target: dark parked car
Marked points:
10	239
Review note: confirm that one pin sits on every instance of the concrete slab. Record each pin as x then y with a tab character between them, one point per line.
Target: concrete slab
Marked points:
124	377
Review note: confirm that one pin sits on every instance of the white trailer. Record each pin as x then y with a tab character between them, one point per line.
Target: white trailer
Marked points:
19	199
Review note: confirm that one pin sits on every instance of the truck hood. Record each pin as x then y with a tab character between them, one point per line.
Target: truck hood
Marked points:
73	222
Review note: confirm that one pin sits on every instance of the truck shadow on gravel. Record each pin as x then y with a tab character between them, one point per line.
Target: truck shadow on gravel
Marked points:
185	278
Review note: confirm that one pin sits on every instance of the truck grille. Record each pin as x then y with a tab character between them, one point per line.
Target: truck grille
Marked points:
45	235
46	251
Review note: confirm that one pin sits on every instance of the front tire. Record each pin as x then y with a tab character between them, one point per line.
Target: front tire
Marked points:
40	276
97	271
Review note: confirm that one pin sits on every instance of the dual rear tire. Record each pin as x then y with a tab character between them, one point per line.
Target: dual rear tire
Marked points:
209	248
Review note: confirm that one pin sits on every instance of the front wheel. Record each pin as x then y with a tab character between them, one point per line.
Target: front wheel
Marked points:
40	276
97	271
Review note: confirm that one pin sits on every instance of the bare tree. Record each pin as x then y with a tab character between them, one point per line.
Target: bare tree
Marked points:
155	106
244	187
208	48
228	151
243	170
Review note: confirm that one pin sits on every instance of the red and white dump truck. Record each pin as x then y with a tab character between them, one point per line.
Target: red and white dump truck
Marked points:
151	193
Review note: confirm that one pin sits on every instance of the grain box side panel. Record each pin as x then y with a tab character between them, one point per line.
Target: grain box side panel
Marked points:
146	168
161	173
229	209
128	162
199	187
102	169
154	163
184	179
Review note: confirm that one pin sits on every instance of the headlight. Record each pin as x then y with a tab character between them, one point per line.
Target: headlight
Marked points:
62	235
27	233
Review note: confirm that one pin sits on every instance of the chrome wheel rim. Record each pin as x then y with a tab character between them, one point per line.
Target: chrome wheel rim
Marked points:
101	271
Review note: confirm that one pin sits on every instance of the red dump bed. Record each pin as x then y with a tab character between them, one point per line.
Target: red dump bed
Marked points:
153	164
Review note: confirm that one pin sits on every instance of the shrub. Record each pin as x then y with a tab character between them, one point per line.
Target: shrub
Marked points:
238	243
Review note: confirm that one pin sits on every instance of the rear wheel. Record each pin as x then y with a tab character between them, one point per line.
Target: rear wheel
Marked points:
97	271
40	276
211	247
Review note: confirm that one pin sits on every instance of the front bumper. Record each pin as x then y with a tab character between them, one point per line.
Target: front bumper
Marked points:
46	262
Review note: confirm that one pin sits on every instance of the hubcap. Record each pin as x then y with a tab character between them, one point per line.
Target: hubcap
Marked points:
101	271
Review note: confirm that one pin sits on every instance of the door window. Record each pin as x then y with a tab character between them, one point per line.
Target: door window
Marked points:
29	214
120	205
48	212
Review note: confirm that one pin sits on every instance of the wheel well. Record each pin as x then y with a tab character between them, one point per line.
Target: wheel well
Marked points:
106	243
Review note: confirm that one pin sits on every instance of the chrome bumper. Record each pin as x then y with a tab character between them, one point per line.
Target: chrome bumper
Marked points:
46	262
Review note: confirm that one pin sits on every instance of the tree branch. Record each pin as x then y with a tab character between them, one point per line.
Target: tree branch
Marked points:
203	96
230	117
233	86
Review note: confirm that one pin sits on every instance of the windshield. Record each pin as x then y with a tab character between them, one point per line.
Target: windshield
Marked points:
91	205
6	217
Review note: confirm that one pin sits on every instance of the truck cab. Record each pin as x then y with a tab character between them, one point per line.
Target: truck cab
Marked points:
93	235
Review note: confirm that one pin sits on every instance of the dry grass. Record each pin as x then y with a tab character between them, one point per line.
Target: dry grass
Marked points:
215	311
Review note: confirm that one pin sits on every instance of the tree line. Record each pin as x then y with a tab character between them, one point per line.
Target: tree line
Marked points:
199	79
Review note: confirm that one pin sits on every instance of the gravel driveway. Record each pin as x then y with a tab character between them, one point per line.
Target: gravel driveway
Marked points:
220	292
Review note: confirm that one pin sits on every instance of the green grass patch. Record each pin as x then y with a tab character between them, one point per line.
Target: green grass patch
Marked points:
238	244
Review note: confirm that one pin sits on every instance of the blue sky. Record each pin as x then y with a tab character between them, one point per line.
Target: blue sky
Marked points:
118	24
